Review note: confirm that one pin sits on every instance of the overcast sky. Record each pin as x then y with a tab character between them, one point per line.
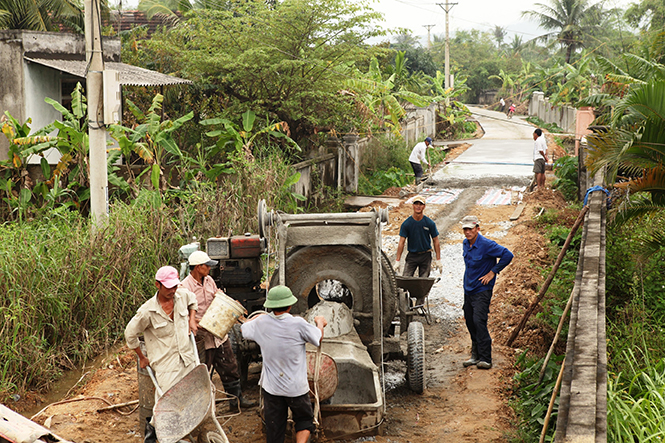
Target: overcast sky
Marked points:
466	14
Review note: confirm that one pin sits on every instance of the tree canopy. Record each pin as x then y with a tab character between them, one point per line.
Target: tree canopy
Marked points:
286	63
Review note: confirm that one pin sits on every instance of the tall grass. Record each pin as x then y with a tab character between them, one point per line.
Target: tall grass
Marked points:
636	401
66	294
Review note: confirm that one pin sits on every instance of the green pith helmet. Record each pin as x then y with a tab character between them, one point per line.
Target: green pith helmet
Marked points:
280	297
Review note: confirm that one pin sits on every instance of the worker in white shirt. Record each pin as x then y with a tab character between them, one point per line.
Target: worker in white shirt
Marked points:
418	157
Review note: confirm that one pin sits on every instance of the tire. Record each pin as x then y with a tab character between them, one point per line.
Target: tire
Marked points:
350	265
415	369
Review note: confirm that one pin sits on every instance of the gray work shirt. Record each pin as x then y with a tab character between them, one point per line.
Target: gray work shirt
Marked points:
282	339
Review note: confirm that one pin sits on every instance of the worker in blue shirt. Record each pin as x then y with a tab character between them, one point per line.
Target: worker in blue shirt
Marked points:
422	234
481	269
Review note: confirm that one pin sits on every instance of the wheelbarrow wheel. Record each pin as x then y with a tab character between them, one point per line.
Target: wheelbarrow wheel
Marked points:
415	370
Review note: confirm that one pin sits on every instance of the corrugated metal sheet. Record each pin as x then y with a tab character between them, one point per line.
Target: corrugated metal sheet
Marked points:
129	75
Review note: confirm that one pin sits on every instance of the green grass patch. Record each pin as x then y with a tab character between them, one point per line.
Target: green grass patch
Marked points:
385	164
550	127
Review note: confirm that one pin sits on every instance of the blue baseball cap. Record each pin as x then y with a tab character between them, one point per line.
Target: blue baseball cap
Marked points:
428	139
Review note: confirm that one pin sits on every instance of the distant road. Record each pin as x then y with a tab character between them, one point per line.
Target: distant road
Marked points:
502	157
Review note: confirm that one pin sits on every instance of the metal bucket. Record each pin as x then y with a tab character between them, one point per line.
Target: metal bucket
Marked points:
221	315
146	393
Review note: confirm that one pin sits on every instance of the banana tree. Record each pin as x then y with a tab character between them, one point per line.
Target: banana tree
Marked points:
152	140
234	142
379	100
452	113
507	81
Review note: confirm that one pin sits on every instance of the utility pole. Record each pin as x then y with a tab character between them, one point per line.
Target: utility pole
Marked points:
429	41
96	129
447	6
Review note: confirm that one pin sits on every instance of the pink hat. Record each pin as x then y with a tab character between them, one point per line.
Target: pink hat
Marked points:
168	276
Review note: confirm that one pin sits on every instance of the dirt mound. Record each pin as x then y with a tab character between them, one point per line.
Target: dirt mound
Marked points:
393	191
545	198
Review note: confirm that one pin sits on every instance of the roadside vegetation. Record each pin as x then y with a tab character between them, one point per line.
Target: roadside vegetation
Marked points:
272	82
626	92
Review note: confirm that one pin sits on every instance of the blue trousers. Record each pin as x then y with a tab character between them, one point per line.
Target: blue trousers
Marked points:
476	310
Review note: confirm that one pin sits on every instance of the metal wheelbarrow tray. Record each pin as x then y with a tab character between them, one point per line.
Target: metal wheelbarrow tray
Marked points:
418	287
186	405
183	407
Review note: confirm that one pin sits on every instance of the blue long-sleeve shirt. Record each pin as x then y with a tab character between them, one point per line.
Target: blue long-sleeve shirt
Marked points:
480	259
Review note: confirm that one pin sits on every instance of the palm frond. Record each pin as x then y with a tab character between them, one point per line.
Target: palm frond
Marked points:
654	243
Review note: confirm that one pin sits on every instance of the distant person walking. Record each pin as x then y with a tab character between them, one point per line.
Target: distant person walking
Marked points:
511	110
539	157
480	260
419	156
503	104
422	234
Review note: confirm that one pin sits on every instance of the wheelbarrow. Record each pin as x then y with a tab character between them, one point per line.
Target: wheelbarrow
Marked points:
186	405
414	300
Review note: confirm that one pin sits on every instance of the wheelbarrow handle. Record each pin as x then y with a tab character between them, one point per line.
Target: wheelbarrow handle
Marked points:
154	381
196	351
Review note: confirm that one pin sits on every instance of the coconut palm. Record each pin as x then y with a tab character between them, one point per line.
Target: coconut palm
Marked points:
632	151
499	33
173	10
42	15
570	22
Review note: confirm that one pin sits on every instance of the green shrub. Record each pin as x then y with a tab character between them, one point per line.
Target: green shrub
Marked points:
535	397
565	170
549	127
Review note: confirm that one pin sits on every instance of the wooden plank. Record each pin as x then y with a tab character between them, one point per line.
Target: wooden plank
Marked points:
518	211
16	428
359	201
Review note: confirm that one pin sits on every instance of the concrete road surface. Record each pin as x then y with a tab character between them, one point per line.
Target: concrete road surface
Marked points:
502	157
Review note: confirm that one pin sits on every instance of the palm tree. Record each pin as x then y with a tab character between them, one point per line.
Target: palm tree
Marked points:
173	10
516	44
569	20
42	15
632	151
499	33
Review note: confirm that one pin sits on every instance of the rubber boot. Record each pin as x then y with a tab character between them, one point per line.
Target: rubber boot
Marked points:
150	433
474	356
233	388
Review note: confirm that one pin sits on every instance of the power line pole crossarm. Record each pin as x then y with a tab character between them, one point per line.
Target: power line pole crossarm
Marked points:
429	40
447	6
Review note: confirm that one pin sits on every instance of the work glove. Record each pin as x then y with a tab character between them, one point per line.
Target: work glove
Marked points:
398	267
437	266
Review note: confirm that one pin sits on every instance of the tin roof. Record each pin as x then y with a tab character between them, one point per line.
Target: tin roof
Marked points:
129	75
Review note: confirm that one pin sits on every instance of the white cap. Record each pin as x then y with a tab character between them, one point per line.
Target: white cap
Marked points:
201	258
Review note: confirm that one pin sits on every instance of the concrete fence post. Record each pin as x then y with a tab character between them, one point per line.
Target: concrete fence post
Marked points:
351	163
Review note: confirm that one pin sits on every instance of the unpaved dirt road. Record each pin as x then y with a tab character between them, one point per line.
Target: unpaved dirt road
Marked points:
458	405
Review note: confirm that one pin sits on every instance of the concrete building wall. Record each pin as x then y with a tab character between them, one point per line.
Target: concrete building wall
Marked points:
11	83
41	82
22	83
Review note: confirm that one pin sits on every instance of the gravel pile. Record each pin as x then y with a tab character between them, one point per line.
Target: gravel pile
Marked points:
447	295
